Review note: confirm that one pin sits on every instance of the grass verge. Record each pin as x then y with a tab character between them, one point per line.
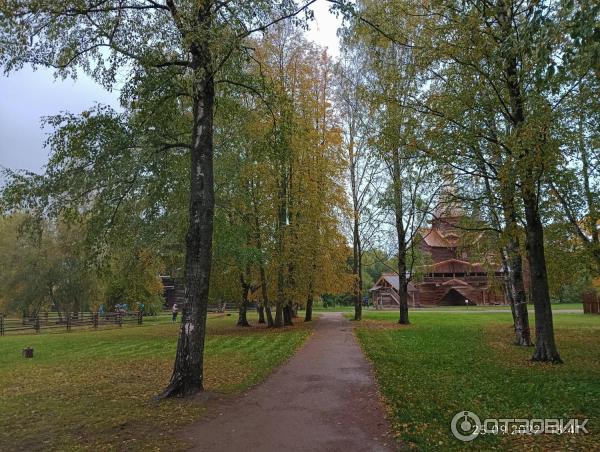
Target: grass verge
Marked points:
440	365
94	389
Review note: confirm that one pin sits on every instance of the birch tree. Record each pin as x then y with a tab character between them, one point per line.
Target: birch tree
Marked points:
178	48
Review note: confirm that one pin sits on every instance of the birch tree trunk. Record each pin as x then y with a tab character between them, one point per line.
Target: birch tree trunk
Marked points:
188	377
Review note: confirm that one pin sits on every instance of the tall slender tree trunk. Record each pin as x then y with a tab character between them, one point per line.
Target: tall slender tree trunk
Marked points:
545	346
511	252
243	314
517	295
188	375
507	288
265	307
260	309
288	311
243	308
401	233
530	171
514	264
309	307
356	271
288	314
356	246
359	274
281	223
279	302
269	315
265	296
310	295
403	288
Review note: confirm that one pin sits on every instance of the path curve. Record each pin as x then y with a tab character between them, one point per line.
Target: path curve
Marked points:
323	399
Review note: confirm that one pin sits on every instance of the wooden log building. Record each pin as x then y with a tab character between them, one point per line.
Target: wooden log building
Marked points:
452	278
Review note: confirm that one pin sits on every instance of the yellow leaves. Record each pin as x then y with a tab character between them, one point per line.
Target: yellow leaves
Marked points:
596	284
290	160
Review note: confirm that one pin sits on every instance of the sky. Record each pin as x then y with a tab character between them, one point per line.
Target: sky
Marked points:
26	96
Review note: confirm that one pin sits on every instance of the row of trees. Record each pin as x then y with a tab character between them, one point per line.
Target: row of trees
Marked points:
225	155
230	152
279	178
499	95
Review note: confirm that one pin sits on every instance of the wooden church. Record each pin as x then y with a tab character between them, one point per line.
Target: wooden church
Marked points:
453	277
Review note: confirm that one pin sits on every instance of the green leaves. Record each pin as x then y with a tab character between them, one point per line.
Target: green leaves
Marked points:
46	267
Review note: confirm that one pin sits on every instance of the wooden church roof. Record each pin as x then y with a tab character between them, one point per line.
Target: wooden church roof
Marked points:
433	238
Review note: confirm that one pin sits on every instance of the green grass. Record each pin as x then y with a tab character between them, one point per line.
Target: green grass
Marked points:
440	365
94	389
555	307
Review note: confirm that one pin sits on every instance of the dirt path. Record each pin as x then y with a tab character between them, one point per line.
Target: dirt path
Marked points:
323	399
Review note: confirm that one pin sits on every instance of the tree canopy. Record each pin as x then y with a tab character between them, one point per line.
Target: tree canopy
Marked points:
248	165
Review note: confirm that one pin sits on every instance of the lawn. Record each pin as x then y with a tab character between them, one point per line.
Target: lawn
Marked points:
555	307
94	389
442	364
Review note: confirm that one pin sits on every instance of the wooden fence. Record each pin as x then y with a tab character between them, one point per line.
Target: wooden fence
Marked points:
591	303
55	321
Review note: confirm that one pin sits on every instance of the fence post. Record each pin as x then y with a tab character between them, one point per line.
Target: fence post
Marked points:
1	324
120	319
140	317
37	323
95	320
68	321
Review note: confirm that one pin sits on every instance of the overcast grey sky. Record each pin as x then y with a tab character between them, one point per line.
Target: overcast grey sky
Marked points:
26	96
